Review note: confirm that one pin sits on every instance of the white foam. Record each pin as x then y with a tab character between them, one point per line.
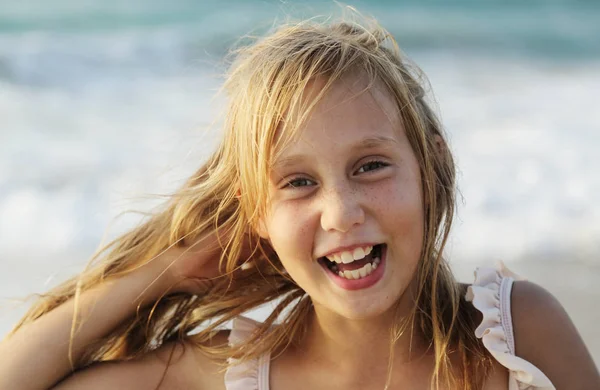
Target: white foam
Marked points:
525	140
524	135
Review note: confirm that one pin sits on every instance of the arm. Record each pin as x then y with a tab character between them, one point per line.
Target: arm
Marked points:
144	373
546	337
37	355
175	365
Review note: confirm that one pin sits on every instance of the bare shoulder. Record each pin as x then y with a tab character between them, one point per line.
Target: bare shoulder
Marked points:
173	366
546	337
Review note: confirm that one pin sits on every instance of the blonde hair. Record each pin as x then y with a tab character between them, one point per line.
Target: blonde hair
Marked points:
266	107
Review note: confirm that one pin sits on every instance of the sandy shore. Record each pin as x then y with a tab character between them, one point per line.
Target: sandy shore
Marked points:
576	285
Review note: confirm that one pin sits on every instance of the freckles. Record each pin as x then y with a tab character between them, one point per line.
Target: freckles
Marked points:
387	196
303	231
375	195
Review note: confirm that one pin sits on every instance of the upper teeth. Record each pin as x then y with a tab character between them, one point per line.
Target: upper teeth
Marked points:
350	256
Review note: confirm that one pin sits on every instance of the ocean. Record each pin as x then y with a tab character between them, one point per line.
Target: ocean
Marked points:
105	103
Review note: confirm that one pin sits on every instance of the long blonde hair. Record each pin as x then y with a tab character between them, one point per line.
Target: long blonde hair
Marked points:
266	108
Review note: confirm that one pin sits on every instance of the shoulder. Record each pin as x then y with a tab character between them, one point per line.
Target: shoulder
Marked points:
175	365
546	337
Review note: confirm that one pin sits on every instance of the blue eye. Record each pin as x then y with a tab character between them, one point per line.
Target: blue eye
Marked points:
371	166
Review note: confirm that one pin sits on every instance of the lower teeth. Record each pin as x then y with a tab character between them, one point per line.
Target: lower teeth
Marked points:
358	273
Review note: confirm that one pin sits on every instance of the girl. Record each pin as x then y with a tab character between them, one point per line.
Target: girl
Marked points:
331	195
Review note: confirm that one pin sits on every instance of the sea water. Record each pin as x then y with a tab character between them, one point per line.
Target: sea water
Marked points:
105	102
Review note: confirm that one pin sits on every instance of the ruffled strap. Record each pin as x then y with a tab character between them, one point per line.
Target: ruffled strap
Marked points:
250	374
490	294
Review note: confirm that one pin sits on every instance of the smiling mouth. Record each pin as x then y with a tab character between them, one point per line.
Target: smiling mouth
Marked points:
356	269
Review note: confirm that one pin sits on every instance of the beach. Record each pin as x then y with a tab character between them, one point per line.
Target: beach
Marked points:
107	107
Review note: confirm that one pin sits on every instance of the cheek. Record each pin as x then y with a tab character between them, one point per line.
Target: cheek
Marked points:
401	198
291	232
399	205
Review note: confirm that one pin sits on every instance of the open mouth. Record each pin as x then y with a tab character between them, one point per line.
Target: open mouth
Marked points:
360	265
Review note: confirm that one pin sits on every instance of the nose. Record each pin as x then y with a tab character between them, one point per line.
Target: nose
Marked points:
341	209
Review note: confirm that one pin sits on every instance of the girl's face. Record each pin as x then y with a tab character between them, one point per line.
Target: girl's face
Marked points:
346	212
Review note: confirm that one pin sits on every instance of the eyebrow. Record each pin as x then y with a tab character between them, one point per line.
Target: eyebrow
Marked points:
363	144
374	142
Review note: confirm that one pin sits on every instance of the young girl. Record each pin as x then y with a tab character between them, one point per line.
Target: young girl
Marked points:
332	196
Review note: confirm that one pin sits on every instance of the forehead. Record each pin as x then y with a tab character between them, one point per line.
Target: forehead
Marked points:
352	110
352	88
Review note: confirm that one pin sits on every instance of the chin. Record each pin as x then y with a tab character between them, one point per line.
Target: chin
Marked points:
367	307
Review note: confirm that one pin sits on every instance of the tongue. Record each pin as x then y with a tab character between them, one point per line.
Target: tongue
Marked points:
356	264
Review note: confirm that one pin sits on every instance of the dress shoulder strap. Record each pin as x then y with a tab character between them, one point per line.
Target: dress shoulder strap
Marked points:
252	374
491	295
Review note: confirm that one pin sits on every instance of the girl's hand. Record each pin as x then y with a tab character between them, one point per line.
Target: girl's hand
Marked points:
192	268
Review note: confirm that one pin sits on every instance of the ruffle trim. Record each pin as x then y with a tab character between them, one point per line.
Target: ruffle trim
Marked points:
490	294
251	374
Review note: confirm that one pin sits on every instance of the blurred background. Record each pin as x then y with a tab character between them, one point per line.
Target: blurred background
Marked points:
105	102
